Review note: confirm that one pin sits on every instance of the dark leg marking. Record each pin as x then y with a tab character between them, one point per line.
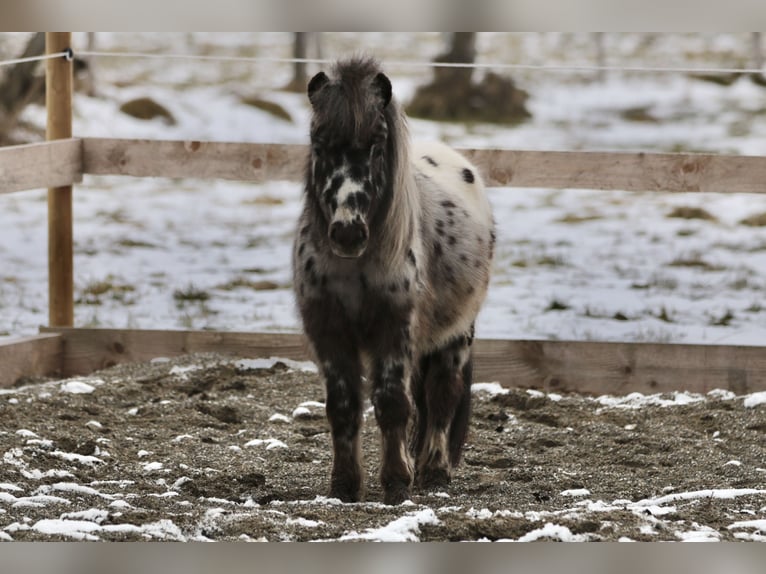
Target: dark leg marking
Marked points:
392	411
443	400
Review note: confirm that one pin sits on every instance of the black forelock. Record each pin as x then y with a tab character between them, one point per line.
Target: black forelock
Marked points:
348	108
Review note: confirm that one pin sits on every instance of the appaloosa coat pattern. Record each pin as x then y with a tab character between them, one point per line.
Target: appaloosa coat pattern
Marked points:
391	264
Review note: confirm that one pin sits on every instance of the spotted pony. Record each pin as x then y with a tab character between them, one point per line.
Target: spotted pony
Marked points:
391	264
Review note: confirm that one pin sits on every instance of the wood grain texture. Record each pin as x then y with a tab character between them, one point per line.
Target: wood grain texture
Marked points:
90	349
560	366
38	356
548	169
622	171
196	159
40	165
58	101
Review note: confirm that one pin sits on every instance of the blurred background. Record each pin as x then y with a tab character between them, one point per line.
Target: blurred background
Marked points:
571	264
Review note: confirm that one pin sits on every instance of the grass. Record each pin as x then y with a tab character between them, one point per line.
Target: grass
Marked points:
95	292
695	262
135	243
722	321
755	220
689	212
556	305
245	283
190	294
572	218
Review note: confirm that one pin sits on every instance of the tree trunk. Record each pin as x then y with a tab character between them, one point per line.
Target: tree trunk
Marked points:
462	50
300	49
453	96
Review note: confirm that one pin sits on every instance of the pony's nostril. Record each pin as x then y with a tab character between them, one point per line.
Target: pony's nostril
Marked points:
348	235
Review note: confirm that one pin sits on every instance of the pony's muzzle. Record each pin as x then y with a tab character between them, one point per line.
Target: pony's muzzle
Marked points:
348	239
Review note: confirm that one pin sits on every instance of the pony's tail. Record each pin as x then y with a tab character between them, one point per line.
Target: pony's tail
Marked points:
459	428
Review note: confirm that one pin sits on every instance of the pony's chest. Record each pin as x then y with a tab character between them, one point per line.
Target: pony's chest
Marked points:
362	291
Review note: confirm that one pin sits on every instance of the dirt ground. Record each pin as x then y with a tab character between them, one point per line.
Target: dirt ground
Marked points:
191	449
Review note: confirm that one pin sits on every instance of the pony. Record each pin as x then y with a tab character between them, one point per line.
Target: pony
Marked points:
391	263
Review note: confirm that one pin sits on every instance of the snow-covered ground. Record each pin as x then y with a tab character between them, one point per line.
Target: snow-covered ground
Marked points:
571	264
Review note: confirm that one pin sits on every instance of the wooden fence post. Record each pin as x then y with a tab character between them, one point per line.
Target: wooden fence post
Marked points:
58	101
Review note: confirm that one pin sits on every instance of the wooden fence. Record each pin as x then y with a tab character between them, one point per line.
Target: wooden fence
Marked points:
591	367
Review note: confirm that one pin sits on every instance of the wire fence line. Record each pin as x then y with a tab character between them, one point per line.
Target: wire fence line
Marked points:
428	64
398	63
65	54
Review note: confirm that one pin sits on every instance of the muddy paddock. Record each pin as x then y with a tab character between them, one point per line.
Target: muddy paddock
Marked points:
209	448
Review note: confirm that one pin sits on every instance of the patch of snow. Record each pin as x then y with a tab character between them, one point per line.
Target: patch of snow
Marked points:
96	515
11	487
759	525
304	366
490	388
639	400
76	529
575	492
720	493
152	466
142	453
77	387
120	504
553	532
163	530
26	433
733	463
403	529
700	533
300	412
303	522
271	443
181	437
79	458
72	487
182	372
721	394
279	418
755	399
13	401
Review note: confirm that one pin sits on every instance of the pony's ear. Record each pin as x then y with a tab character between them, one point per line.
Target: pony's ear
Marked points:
383	85
316	84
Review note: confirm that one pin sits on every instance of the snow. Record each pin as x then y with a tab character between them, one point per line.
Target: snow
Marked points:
602	254
639	400
616	260
269	443
403	529
552	532
755	399
575	492
77	387
490	388
304	366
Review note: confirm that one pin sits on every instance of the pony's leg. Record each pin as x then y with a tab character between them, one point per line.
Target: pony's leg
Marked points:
418	392
391	400
447	389
339	361
344	413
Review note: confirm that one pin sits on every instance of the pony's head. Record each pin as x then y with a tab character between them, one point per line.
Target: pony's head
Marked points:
351	151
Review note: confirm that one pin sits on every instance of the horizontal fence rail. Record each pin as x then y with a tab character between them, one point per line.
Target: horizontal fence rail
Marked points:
40	165
65	162
555	366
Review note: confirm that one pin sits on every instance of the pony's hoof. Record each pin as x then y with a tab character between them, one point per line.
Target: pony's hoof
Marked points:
397	495
345	493
433	478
